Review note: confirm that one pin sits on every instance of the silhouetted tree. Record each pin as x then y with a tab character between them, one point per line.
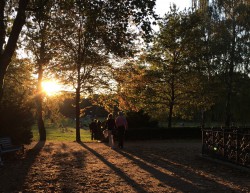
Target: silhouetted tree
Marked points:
88	32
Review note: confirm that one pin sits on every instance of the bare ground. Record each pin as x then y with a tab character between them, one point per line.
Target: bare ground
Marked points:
144	166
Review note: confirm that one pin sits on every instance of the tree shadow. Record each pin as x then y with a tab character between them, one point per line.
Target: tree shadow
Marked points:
14	172
172	181
213	176
187	176
70	165
137	187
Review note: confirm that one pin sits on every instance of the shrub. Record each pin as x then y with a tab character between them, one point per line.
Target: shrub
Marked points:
16	123
163	133
140	119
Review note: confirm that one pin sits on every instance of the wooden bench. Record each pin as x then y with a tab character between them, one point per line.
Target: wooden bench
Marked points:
6	146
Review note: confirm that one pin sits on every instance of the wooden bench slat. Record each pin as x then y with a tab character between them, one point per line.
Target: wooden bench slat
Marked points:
7	146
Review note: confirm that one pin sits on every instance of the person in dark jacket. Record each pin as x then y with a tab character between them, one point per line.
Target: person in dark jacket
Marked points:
110	125
92	128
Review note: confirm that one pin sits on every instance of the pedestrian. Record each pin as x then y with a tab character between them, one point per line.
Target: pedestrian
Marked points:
110	125
121	125
92	128
98	130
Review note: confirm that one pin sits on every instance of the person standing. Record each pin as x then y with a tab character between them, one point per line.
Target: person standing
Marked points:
110	125
121	125
92	128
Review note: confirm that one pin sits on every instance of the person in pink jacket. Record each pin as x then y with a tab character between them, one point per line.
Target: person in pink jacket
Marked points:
121	125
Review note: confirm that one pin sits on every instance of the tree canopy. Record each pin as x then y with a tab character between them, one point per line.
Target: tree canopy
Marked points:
197	64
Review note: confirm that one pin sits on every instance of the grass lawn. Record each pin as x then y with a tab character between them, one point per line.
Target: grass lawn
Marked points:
55	133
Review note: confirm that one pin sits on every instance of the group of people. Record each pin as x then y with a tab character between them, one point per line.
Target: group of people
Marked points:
114	127
95	128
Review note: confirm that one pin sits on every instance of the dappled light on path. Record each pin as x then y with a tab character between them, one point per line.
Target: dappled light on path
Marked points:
160	166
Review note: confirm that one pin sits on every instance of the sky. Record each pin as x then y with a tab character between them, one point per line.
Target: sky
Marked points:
162	6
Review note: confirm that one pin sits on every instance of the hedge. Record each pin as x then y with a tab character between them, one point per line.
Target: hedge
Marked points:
163	133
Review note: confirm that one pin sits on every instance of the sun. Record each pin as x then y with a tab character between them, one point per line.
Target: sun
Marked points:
51	87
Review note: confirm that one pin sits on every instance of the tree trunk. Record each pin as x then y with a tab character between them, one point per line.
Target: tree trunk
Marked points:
78	136
40	123
171	104
78	89
7	53
39	105
2	75
2	26
230	78
170	115
41	62
202	119
229	97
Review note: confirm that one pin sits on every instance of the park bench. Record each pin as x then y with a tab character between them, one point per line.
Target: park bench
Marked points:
6	146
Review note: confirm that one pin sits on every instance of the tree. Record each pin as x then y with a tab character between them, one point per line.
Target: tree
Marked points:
232	34
7	49
16	106
174	60
39	41
79	54
200	4
91	32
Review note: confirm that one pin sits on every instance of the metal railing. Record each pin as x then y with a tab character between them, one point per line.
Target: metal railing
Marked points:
232	145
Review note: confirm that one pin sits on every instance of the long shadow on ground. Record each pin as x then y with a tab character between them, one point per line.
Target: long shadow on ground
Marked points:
187	176
14	172
71	177
137	187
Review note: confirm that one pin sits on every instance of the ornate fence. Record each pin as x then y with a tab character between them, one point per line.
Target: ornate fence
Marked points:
232	145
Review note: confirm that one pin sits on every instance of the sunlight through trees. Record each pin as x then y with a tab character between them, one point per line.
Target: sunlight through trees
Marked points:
196	67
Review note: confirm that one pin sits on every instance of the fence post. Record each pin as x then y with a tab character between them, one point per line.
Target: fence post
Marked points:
237	144
223	130
202	141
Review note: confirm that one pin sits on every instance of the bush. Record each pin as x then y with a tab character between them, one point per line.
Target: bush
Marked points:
140	120
16	123
16	118
163	133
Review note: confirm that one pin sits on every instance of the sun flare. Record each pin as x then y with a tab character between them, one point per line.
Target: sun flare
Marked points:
51	87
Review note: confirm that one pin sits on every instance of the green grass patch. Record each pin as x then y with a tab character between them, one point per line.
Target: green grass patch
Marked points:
66	133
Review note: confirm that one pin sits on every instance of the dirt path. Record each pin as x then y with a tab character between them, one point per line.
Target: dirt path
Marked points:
159	166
